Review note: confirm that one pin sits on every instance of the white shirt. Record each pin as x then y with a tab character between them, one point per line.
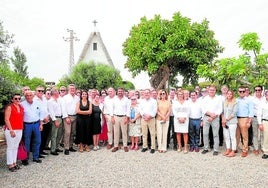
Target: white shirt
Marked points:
148	107
262	111
256	103
212	105
69	105
120	106
43	103
54	108
108	105
195	109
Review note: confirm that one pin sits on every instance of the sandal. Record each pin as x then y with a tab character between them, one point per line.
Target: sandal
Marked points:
12	169
17	167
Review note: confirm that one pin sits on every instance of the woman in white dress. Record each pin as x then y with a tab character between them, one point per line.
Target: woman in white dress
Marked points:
181	112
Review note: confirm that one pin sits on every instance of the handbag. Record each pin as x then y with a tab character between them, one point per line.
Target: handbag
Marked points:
22	152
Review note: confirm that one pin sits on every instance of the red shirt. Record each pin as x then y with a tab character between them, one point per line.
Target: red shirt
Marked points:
16	117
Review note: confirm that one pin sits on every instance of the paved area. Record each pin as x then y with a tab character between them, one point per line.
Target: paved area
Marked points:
136	169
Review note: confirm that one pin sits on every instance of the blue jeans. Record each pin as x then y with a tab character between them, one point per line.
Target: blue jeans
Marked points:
31	133
194	128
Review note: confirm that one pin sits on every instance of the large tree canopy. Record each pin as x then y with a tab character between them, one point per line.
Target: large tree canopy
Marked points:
249	68
165	48
91	75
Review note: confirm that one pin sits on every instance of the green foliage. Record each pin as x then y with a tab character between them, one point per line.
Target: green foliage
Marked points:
241	70
165	48
19	63
91	75
127	85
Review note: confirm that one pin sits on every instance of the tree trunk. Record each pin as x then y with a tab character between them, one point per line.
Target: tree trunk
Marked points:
160	78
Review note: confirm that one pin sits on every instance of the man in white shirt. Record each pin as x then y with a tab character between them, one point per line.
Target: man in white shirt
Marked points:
107	111
212	109
120	119
69	115
148	110
55	111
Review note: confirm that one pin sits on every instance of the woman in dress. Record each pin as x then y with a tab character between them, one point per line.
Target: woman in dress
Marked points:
229	123
13	130
134	130
181	112
83	132
162	120
104	130
96	120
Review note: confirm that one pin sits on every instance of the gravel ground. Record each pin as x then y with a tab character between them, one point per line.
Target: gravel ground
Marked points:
136	169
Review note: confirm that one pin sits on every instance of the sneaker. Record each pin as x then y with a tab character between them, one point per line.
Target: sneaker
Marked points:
98	147
95	148
204	151
215	153
72	149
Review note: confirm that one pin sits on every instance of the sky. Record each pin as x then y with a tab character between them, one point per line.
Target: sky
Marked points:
39	27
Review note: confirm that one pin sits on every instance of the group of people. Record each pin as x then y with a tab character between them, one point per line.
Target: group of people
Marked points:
58	119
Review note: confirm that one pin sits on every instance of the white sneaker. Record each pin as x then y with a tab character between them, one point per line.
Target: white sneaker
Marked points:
95	148
98	148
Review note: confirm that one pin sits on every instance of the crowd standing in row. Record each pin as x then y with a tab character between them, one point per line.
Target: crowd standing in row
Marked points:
52	119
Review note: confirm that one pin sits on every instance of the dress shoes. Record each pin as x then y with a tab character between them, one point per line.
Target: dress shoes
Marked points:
41	156
265	156
24	162
66	152
152	151
47	148
204	151
54	153
114	149
196	149
126	149
144	149
72	149
59	150
215	153
37	160
43	153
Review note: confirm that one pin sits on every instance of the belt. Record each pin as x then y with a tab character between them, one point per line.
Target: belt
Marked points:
120	115
34	122
71	115
194	118
264	119
58	116
241	117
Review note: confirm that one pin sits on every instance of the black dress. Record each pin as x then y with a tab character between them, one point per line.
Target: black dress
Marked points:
96	119
83	126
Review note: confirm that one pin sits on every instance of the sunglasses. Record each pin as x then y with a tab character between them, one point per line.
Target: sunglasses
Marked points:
242	91
62	90
257	89
40	91
133	99
17	98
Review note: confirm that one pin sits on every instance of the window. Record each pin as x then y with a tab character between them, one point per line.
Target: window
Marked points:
95	46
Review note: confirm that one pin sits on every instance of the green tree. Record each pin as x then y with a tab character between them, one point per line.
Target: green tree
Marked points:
244	69
165	48
91	75
19	62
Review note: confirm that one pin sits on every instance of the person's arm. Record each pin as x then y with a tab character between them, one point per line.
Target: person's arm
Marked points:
8	124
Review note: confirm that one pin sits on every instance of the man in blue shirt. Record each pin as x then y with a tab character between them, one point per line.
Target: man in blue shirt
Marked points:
33	124
244	116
